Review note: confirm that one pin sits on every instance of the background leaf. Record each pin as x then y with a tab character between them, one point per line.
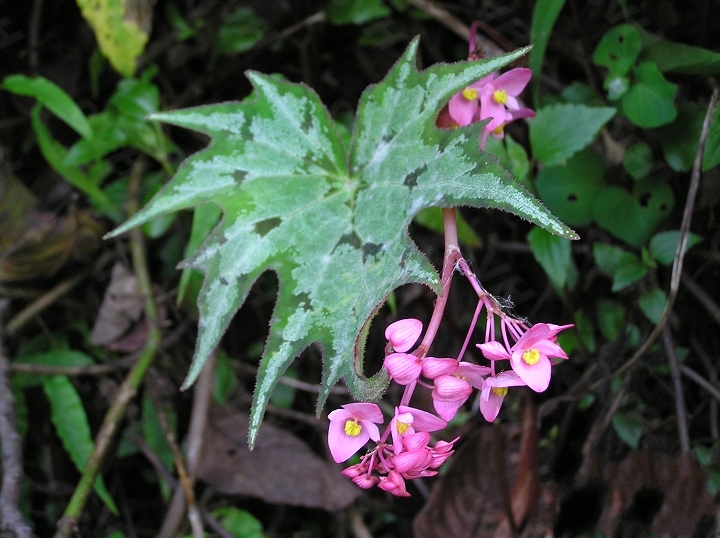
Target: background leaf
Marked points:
554	255
558	132
68	416
544	16
650	100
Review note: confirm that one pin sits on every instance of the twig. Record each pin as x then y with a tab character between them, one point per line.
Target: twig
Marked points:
700	380
198	420
315	18
185	481
680	410
710	306
33	32
712	373
682	243
11	519
128	388
48	298
456	25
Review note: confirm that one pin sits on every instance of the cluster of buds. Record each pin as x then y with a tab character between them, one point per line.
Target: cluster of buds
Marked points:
404	450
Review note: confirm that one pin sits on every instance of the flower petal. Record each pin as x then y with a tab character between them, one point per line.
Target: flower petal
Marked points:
403	368
494	351
422	420
364	411
536	376
343	446
403	333
462	110
513	81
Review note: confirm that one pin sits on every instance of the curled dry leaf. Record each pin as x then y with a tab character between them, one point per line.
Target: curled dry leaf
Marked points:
121	308
281	469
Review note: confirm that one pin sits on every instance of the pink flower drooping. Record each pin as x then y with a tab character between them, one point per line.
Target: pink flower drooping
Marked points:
402	334
351	427
499	96
493	393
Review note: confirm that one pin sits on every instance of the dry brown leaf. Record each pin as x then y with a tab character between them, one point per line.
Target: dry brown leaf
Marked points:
281	469
467	501
121	308
676	484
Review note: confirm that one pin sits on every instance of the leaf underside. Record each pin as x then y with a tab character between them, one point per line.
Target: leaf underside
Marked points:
331	221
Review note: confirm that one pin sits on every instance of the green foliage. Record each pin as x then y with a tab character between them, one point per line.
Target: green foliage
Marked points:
638	160
120	40
544	16
331	221
624	267
558	132
611	318
554	254
356	11
239	523
570	190
71	424
678	57
240	31
618	49
628	427
634	216
650	100
664	245
652	303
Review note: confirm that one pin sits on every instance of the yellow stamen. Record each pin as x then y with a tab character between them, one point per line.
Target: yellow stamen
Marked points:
402	427
531	356
470	94
352	428
499	129
500	391
500	97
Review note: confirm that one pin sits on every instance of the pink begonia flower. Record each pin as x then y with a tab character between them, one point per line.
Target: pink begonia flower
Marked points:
452	391
529	357
403	367
441	452
499	95
464	104
493	393
402	334
351	427
408	420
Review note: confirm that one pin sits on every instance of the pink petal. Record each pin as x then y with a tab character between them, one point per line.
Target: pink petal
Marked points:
536	376
343	446
372	430
508	378
473	374
490	404
450	388
364	411
513	81
415	441
534	334
422	420
447	410
412	460
554	329
551	349
520	113
494	351
403	333
490	109
462	110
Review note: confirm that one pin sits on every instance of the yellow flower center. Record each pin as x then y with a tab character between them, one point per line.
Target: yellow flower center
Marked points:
500	391
470	94
531	356
500	97
499	129
352	428
402	427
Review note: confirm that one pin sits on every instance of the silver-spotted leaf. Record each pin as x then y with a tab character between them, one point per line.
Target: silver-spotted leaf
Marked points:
330	220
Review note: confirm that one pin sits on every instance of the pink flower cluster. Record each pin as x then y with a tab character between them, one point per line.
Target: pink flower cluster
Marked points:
492	97
404	451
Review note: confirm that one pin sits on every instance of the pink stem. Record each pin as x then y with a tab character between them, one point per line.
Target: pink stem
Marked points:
452	255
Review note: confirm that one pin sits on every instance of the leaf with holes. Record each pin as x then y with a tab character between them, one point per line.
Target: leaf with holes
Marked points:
330	220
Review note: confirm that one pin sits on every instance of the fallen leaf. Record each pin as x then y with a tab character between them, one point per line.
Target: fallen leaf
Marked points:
467	501
280	470
121	308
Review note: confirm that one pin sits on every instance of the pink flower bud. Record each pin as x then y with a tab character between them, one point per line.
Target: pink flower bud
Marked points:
433	367
365	481
403	333
412	461
394	483
403	368
450	389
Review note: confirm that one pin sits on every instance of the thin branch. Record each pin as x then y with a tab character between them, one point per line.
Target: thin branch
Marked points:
680	410
682	243
49	298
202	397
710	306
700	380
11	518
712	373
450	21
128	388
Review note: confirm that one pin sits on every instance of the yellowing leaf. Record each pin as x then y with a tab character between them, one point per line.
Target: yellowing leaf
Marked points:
119	37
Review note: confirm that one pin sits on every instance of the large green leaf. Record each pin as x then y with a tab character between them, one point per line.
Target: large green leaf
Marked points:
545	13
331	221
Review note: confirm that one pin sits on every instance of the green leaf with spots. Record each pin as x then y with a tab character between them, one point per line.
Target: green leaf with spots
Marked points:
330	220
